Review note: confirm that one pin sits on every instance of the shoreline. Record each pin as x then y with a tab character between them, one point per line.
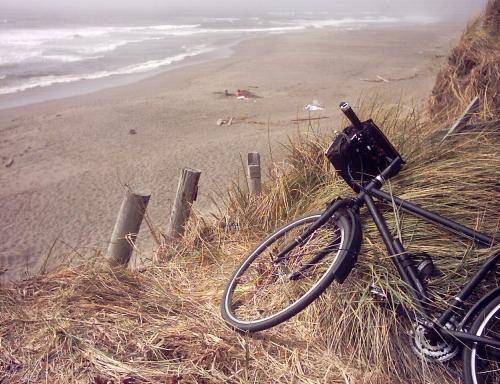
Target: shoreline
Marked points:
72	156
69	90
60	91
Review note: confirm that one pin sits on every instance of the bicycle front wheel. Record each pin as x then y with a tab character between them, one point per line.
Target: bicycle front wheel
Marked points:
265	291
482	362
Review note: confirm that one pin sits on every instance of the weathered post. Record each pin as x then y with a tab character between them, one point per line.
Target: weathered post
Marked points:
127	225
187	191
254	174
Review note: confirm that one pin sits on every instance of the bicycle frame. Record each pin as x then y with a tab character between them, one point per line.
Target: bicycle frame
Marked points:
406	266
321	247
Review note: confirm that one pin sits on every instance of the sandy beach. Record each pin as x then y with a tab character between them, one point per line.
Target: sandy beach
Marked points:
65	162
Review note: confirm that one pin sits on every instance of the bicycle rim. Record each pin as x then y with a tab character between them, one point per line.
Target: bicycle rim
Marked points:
261	293
482	363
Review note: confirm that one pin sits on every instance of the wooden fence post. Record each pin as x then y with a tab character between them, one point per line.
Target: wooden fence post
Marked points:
463	119
127	225
254	174
187	191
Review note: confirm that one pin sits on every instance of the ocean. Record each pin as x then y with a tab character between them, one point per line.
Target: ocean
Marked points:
46	55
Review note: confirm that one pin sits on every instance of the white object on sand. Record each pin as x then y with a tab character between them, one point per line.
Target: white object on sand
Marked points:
314	107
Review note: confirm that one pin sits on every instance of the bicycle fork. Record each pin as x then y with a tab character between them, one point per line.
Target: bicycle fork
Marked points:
302	238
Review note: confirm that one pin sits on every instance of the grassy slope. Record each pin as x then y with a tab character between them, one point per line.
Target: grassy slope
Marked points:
473	68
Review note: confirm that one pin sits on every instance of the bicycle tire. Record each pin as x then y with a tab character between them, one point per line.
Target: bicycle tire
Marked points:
481	364
259	295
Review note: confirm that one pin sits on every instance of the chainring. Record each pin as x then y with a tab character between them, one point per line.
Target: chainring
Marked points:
435	351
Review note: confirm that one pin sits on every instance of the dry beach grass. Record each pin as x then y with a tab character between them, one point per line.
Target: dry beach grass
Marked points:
472	68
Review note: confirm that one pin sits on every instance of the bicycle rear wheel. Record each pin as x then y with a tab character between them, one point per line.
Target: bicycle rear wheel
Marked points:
481	364
265	291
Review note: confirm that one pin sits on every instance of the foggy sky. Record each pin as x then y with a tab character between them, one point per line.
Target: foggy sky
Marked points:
448	9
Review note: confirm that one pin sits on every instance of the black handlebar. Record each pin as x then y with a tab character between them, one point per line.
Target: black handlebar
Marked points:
346	108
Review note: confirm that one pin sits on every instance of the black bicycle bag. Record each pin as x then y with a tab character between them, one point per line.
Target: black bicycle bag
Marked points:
360	154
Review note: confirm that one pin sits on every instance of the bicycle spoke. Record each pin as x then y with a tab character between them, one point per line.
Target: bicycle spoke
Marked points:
484	360
269	285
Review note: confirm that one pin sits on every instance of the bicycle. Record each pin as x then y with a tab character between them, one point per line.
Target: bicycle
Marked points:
293	266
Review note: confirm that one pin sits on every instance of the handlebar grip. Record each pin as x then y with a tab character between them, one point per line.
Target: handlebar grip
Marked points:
346	108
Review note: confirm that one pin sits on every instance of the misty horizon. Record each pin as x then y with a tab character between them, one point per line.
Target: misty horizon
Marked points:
443	9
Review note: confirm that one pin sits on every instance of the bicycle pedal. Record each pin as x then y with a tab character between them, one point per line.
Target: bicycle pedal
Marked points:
378	294
385	301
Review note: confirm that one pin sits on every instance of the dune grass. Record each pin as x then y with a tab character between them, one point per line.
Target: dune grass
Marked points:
473	68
